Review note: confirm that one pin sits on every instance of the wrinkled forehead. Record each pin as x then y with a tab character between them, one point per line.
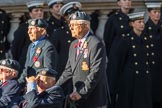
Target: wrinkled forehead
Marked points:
4	67
77	21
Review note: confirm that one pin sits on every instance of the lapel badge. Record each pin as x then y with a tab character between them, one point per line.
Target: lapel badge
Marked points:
85	66
4	62
37	64
69	41
85	44
38	51
86	53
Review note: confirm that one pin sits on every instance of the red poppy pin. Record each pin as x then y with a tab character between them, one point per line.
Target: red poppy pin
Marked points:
75	45
35	58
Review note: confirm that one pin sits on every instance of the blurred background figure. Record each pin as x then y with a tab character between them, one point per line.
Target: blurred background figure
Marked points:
56	20
154	30
94	20
4	30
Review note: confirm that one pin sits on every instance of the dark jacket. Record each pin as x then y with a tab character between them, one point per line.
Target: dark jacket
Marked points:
155	36
45	55
88	73
20	44
117	25
51	98
8	91
129	72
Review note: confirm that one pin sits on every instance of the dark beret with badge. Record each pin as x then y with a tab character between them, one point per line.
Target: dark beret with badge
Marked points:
13	64
52	2
38	23
35	4
47	72
136	16
80	15
70	8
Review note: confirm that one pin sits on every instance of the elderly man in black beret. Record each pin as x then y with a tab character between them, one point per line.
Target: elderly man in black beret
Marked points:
86	65
44	94
10	87
41	53
21	39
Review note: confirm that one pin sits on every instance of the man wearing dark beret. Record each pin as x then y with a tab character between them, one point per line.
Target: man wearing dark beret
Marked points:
21	39
41	53
61	38
86	65
42	92
10	87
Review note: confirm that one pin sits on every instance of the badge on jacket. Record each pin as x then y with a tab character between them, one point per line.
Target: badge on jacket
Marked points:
37	64
85	66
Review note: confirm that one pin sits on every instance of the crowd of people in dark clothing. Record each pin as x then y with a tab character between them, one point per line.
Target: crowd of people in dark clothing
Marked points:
59	62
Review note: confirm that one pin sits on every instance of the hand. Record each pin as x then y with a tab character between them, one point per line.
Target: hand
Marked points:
75	96
30	79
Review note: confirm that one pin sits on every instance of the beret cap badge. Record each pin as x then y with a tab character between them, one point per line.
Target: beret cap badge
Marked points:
74	16
3	62
33	23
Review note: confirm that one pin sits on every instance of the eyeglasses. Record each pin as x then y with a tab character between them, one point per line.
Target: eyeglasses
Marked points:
76	25
5	70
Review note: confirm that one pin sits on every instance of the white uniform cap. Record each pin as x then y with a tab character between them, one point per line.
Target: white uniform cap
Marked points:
136	15
69	7
50	2
34	3
153	5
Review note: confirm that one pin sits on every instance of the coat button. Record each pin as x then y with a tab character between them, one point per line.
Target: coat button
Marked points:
133	46
150	36
123	35
136	63
152	45
1	51
147	72
152	54
132	38
67	32
153	62
147	46
149	28
120	18
147	54
147	63
134	54
145	38
121	26
137	72
69	41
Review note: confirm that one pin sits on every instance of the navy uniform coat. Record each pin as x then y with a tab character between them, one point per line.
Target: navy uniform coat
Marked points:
54	24
20	44
155	36
45	55
87	73
61	39
51	98
4	29
117	25
8	90
130	83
